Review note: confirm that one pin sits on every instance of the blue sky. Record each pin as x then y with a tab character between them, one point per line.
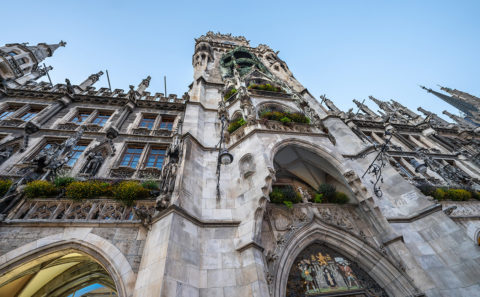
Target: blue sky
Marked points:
344	49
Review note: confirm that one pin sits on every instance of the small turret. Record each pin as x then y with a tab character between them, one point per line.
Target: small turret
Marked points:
20	63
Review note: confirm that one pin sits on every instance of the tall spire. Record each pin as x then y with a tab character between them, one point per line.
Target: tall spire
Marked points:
43	50
460	94
456	102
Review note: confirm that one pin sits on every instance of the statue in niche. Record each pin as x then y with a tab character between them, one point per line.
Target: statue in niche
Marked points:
94	162
168	176
6	153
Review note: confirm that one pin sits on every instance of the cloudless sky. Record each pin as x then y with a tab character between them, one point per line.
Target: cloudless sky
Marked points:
344	49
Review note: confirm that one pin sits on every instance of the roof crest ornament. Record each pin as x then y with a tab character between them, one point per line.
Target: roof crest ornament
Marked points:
223	38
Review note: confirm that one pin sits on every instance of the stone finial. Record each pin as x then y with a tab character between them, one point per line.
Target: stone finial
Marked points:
93	78
143	85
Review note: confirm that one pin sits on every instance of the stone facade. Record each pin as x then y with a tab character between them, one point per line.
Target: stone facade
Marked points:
214	228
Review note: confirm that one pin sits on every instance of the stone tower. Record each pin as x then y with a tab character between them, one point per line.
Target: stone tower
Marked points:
255	188
20	63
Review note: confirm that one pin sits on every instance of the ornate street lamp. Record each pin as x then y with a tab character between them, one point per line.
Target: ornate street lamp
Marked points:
378	163
224	157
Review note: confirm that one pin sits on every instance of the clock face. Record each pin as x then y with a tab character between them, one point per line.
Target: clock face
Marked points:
241	60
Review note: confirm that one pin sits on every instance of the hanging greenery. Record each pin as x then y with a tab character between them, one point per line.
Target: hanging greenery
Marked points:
229	94
266	87
236	124
285	117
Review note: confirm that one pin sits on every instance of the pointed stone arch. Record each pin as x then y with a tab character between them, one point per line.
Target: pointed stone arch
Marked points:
329	155
371	260
74	240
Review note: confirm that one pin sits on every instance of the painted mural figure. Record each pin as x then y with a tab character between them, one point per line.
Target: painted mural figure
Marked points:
307	275
323	271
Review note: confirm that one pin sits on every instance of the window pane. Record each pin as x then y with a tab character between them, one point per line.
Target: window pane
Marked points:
101	119
5	114
131	157
28	115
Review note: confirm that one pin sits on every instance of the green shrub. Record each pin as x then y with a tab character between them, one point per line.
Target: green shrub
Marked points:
298	117
340	198
475	195
438	194
427	189
230	94
40	188
79	190
289	204
129	191
285	117
458	195
150	185
63	181
318	198
266	87
328	192
236	124
272	115
5	184
280	194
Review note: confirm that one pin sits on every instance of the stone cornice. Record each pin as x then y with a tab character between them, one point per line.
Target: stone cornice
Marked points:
416	216
116	101
201	223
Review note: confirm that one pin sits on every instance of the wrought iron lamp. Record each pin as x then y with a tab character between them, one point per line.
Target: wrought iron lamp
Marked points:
224	157
378	163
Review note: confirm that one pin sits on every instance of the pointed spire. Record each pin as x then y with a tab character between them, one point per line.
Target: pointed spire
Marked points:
433	116
382	104
365	108
404	109
91	80
329	104
460	121
43	50
458	103
143	85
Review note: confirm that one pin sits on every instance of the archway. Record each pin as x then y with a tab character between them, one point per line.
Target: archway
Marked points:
112	269
373	271
306	170
58	273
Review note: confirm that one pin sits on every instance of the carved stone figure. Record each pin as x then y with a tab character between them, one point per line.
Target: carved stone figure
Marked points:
5	153
95	161
70	90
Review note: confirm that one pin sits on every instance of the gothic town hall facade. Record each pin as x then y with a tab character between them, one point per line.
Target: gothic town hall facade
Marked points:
247	185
